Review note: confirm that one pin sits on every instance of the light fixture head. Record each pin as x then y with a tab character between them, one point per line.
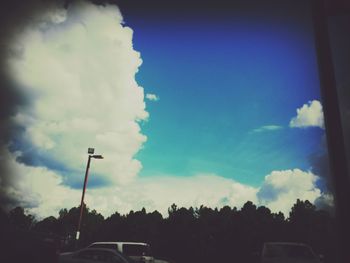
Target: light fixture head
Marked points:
97	156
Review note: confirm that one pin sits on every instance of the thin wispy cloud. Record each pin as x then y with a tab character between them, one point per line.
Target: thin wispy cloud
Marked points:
152	97
309	115
267	128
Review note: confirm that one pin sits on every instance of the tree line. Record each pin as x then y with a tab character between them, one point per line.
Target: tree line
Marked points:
191	234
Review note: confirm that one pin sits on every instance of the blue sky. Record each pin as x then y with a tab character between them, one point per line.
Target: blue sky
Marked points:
218	81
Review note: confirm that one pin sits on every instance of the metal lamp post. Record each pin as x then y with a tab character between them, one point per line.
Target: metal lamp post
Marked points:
91	155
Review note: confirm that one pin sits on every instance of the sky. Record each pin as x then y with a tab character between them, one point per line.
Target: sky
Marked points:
189	104
229	89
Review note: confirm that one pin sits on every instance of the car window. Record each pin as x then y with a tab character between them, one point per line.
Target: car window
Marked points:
136	250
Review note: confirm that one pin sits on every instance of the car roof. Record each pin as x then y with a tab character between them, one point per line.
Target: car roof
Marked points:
121	243
98	249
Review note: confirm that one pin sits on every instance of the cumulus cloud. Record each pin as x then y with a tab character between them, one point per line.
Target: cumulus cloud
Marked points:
281	189
159	193
43	193
326	202
153	193
152	97
78	67
37	189
268	128
309	115
279	192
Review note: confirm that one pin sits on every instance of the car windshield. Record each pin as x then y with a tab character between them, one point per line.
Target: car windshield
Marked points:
109	246
287	251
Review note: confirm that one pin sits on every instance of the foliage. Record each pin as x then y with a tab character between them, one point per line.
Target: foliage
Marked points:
18	218
194	234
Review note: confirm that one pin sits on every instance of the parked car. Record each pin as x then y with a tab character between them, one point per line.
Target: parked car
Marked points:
140	252
287	252
94	255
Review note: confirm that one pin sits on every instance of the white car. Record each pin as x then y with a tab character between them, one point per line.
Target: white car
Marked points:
288	252
139	252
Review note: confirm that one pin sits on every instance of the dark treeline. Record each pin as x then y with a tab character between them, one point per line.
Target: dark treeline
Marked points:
193	234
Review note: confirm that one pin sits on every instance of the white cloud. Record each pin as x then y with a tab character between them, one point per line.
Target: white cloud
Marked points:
152	97
153	193
79	67
41	191
279	192
268	128
281	189
38	189
325	202
309	115
159	193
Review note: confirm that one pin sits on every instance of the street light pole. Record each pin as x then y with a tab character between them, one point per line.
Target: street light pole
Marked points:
82	197
91	152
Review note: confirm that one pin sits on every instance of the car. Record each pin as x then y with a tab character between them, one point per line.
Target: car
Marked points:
288	252
140	252
94	255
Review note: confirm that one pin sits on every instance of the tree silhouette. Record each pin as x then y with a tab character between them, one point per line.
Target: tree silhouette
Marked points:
18	218
191	234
